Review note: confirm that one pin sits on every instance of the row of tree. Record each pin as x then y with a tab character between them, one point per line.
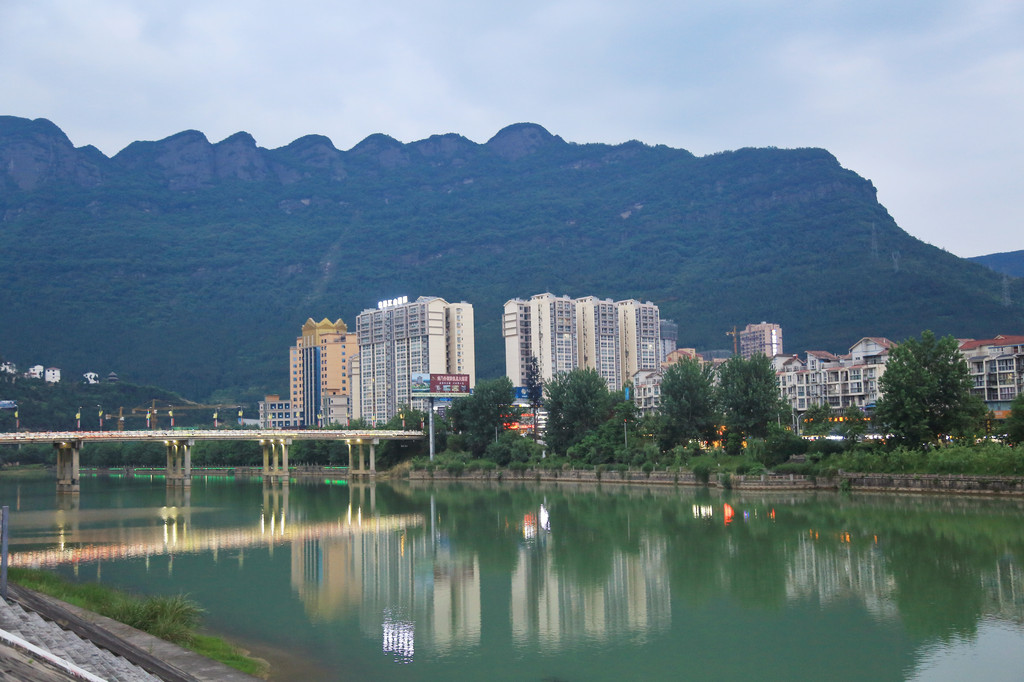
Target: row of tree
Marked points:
588	422
927	402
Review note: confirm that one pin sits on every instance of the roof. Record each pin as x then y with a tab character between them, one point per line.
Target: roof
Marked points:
880	340
999	340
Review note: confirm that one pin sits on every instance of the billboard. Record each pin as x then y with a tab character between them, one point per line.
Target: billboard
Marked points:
8	404
439	385
419	383
449	383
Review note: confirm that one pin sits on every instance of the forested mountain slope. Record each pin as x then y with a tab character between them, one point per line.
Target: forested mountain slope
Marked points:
193	265
1010	262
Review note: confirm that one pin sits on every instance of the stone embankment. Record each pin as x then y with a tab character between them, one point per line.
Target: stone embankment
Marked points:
43	639
902	483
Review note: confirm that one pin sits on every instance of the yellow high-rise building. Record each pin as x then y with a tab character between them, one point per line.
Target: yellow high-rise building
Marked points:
319	370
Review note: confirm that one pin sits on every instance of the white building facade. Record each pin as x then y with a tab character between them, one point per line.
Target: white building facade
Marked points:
997	370
401	338
615	338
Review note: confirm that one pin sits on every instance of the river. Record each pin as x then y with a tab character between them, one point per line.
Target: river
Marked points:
555	582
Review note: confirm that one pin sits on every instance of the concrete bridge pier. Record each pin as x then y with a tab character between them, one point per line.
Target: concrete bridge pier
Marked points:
179	462
271	449
361	470
68	466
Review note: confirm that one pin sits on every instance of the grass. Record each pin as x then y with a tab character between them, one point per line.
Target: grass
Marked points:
173	618
25	471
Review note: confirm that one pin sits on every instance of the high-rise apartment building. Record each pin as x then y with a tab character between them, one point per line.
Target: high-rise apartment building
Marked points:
516	328
544	327
319	373
599	340
764	338
640	328
400	338
669	338
616	339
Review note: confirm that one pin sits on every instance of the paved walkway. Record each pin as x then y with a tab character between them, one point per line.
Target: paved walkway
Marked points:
43	639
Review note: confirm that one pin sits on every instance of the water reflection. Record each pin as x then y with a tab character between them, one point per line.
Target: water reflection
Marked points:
175	533
578	573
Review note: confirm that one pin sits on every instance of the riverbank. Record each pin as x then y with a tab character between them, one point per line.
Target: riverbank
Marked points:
80	606
86	641
864	482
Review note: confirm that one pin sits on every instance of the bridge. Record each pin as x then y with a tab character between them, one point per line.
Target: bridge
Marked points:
179	444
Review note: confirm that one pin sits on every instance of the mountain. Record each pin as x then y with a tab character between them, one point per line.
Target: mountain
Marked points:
1009	262
192	265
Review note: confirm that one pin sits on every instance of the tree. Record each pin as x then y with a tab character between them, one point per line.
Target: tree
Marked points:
481	416
534	388
854	424
749	395
1015	422
688	406
577	402
927	392
817	420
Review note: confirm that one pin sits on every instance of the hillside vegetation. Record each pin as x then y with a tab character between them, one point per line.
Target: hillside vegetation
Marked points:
192	265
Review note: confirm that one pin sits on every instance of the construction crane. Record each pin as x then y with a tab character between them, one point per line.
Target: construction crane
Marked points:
735	335
153	409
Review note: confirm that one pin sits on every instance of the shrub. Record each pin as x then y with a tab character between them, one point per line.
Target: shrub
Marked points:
701	468
481	465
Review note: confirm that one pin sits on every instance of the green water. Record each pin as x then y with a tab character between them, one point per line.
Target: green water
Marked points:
540	582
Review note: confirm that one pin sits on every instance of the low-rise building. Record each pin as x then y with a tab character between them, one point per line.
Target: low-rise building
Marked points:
276	413
997	370
647	390
837	381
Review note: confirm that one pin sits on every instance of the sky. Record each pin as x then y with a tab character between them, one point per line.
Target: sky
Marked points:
925	98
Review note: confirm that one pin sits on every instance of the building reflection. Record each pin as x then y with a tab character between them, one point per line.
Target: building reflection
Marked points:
550	610
402	586
833	570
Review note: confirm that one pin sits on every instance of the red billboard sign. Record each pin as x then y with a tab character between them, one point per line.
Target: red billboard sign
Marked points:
447	384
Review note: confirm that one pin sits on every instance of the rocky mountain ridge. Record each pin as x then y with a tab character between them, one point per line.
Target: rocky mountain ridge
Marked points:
192	264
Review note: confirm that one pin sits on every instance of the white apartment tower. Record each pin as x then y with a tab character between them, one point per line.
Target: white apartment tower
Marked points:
400	338
640	330
545	327
617	339
516	329
598	339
